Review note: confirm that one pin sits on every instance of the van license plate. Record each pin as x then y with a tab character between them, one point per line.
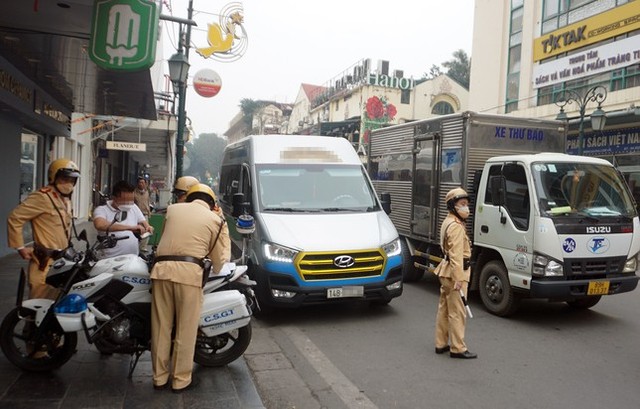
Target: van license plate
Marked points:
344	292
598	288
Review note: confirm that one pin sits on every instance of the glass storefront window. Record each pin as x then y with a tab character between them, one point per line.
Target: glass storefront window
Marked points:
28	169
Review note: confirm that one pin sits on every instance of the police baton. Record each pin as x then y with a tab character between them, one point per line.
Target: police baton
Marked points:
466	305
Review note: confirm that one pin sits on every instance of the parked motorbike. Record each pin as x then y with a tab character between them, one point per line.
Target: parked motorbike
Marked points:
109	300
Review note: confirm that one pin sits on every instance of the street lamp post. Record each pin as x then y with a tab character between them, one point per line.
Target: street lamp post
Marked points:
179	72
597	94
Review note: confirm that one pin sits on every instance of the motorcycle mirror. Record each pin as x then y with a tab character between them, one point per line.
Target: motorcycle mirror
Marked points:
83	235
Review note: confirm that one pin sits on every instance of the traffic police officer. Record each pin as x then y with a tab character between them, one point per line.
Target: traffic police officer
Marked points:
192	231
453	272
50	212
182	186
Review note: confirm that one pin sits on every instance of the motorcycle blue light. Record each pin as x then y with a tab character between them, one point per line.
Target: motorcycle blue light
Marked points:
71	304
245	221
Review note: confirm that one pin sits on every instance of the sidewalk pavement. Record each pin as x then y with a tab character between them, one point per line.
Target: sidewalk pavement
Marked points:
91	380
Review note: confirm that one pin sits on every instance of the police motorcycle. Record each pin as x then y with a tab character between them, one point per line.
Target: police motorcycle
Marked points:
109	300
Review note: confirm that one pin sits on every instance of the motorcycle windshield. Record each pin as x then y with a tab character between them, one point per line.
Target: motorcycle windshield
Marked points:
584	189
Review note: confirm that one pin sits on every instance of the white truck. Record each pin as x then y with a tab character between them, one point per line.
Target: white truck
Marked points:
543	225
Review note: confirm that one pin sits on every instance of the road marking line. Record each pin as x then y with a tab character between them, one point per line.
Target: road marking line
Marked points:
340	384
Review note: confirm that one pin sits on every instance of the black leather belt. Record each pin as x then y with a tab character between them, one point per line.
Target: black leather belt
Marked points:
466	263
187	259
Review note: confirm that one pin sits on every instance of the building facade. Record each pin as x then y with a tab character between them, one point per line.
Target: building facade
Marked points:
532	58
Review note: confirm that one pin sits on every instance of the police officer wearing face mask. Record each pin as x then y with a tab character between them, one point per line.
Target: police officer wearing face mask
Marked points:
123	218
50	212
453	272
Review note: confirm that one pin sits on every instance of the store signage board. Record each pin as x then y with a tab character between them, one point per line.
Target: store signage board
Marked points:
126	146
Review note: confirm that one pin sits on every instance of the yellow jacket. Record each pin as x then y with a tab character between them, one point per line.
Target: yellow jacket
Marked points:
48	228
190	229
456	246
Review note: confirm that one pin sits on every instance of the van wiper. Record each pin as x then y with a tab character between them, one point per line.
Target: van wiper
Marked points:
589	218
284	209
334	209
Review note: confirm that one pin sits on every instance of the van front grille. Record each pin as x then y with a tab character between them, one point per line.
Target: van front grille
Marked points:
326	266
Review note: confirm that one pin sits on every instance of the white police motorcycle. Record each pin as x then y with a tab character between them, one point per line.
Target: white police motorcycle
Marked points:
109	301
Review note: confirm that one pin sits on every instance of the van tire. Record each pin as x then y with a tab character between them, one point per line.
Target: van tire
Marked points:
410	272
495	290
584	303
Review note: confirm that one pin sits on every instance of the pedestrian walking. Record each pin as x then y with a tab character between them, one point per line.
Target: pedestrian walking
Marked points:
454	272
50	212
191	232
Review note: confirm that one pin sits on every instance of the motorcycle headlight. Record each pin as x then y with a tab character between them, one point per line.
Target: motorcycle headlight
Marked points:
631	265
392	248
544	266
275	252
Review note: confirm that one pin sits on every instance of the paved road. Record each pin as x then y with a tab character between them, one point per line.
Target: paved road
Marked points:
354	356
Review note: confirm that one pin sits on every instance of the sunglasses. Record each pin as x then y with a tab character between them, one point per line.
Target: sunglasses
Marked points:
120	216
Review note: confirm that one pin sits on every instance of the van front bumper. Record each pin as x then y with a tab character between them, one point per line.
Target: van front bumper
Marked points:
578	288
268	281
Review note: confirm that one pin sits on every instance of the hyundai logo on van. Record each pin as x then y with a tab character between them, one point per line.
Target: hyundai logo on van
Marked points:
343	261
598	245
598	229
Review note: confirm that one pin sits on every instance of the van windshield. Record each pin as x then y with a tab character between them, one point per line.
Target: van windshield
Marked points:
581	188
314	188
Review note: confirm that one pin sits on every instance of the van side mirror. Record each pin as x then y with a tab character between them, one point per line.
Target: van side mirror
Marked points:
240	207
498	187
385	201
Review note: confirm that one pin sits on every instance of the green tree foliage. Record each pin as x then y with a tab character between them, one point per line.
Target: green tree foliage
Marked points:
205	156
248	107
458	68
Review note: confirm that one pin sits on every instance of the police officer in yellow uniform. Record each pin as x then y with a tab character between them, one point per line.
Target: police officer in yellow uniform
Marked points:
180	188
50	213
192	231
454	273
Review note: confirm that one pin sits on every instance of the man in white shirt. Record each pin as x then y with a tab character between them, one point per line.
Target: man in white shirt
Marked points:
123	218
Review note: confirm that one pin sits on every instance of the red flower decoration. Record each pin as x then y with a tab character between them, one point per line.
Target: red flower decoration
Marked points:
375	108
391	111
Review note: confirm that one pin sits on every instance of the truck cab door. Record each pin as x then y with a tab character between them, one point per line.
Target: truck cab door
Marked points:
506	224
423	209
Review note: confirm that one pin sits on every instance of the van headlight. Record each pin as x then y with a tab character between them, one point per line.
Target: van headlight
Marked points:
544	266
275	252
392	248
631	265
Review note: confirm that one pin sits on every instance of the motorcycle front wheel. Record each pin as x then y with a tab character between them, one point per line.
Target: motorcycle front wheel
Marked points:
222	349
18	344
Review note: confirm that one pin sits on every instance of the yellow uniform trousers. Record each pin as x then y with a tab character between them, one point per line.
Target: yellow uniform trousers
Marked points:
451	317
183	302
38	287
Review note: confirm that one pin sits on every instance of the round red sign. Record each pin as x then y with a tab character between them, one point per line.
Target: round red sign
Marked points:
207	83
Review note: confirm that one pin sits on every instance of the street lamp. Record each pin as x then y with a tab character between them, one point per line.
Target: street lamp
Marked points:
178	72
597	94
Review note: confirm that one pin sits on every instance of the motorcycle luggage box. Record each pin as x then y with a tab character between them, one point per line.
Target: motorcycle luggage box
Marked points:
223	311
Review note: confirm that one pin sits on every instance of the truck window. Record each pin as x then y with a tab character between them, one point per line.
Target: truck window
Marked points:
518	202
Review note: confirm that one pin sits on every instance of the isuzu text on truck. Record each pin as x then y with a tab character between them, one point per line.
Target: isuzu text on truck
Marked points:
543	225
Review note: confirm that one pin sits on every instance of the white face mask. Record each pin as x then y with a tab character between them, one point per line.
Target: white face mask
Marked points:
65	188
125	207
463	211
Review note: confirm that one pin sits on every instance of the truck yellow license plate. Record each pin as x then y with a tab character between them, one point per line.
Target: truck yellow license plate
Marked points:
346	291
598	288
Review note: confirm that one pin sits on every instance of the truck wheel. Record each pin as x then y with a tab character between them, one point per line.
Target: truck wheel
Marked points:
495	290
584	303
409	272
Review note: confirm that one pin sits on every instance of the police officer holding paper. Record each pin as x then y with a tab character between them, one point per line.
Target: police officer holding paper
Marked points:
192	232
453	272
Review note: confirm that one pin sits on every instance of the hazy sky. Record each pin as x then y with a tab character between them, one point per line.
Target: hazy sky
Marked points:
291	42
